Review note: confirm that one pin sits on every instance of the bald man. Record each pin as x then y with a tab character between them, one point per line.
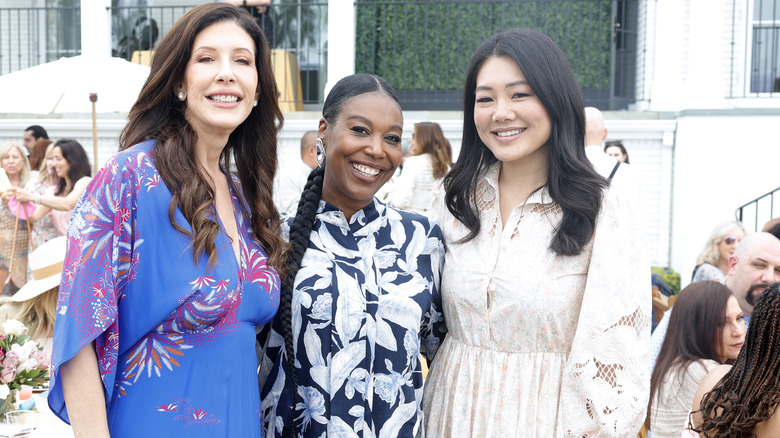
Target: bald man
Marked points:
291	180
754	265
622	177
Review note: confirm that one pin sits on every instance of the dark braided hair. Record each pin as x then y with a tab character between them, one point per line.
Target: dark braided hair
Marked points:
750	392
300	229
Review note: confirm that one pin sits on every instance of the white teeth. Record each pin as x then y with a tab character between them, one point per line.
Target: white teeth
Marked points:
365	170
224	99
508	133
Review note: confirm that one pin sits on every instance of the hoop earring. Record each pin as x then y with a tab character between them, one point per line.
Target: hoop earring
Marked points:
320	148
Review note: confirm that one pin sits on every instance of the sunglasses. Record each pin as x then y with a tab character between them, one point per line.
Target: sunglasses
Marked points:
730	240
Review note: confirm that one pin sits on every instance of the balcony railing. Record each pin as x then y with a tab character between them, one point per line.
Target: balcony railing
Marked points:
32	36
759	211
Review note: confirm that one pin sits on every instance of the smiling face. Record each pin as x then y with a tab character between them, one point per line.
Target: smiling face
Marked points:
510	119
59	163
732	332
220	81
363	149
12	162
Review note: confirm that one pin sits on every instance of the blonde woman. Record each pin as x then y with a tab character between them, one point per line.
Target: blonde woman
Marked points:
14	234
713	262
47	180
35	305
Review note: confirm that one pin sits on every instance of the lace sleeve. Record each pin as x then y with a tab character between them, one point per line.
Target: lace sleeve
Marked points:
607	382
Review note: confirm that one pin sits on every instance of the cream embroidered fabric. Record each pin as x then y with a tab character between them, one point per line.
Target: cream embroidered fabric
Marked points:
541	345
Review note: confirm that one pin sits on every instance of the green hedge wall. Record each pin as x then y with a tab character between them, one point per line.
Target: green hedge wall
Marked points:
427	45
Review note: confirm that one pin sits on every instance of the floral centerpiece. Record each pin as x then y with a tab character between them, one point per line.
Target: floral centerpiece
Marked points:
22	362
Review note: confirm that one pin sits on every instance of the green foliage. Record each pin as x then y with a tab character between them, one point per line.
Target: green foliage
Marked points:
669	276
427	46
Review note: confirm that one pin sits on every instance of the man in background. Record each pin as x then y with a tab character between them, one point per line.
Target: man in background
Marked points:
31	135
290	182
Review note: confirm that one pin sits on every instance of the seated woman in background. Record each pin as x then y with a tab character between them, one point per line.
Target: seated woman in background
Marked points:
742	401
47	179
71	165
713	262
615	148
705	329
35	305
431	156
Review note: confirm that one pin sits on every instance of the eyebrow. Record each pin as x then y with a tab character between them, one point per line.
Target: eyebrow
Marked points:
369	122
509	85
238	49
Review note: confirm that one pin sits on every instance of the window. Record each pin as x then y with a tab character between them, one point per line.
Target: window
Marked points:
765	50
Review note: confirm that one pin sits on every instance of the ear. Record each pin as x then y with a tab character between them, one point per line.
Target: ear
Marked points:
604	137
322	128
732	264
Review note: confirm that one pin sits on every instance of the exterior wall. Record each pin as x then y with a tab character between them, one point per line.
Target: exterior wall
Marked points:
722	159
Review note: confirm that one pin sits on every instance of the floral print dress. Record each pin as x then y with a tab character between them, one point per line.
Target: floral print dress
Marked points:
175	341
366	303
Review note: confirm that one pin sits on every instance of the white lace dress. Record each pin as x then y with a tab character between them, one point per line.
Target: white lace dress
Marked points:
541	345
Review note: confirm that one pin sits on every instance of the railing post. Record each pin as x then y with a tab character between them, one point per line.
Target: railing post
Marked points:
341	41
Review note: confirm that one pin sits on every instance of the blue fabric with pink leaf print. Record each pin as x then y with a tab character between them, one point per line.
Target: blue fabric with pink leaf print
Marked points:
175	341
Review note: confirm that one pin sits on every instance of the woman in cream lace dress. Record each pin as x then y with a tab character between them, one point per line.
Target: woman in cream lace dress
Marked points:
545	288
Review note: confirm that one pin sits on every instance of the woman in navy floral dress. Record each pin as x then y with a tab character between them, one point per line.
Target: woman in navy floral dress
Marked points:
171	260
361	300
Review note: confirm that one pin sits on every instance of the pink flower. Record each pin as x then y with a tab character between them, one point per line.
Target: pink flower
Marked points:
8	374
11	359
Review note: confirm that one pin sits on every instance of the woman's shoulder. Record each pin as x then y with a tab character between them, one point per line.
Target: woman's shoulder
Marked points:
409	217
710	380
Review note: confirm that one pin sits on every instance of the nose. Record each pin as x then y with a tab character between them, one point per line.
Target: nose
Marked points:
502	110
225	74
375	147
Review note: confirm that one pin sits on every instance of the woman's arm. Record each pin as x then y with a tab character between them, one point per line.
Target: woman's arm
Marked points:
709	382
39	213
606	384
83	390
62	203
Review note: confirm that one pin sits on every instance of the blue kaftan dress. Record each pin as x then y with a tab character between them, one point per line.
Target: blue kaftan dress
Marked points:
175	342
366	303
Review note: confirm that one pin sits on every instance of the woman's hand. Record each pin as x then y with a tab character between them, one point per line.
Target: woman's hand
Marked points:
6	195
23	195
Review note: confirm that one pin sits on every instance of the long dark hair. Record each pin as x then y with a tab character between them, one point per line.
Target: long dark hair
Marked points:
571	181
300	229
74	154
431	140
695	331
159	115
750	392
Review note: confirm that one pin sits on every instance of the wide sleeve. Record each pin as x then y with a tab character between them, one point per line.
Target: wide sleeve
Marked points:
97	266
606	384
403	189
433	329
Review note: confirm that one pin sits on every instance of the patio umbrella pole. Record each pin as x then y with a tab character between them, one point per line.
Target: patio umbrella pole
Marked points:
93	99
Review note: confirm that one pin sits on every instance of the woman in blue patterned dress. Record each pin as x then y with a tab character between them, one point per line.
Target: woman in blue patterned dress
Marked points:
171	261
360	300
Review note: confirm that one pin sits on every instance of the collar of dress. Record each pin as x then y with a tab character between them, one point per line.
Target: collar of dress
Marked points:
490	189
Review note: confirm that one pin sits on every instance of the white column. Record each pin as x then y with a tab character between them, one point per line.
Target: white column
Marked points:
95	28
705	85
341	41
666	88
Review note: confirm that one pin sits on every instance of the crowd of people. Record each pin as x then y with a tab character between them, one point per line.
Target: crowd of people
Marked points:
204	292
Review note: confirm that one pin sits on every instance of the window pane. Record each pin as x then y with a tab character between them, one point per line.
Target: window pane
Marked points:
765	68
766	10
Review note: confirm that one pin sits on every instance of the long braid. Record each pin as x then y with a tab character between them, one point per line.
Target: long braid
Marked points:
750	392
300	233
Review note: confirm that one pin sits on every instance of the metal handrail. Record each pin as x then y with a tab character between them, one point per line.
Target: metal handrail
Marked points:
740	211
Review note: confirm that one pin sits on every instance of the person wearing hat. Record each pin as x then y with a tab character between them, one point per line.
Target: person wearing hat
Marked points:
35	304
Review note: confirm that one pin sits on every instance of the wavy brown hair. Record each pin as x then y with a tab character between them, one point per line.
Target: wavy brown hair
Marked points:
750	392
695	331
430	140
160	116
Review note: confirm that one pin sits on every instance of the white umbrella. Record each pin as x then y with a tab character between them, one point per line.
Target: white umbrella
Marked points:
65	86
